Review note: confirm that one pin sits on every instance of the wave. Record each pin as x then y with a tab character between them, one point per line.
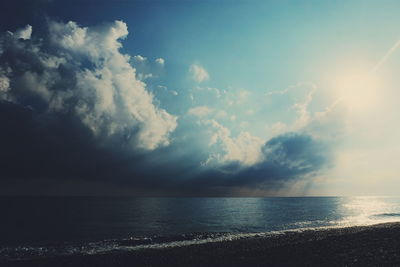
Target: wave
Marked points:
24	252
120	245
387	215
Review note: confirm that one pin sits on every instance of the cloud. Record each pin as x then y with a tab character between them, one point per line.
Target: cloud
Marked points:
80	71
206	111
198	73
4	84
221	114
242	94
142	76
160	61
291	88
331	124
24	33
72	107
295	153
302	110
278	92
278	128
139	58
200	111
286	158
328	124
244	149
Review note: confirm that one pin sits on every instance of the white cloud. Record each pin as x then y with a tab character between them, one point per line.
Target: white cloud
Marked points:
203	111
217	92
198	73
279	128
144	76
221	114
173	92
291	87
37	84
4	84
330	123
242	94
96	43
279	92
24	33
107	95
250	112
160	61
240	97
139	58
200	111
244	124
301	108
245	148
201	90
303	116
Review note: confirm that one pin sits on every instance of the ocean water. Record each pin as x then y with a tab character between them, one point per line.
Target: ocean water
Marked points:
32	227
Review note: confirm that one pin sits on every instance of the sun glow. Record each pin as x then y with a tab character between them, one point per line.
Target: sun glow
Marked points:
358	90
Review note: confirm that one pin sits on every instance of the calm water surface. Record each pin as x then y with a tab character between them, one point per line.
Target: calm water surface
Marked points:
43	221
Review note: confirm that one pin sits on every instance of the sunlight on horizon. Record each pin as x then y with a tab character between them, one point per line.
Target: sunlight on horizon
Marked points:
368	210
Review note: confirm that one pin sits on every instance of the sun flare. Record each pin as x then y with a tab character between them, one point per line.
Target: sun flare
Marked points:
358	90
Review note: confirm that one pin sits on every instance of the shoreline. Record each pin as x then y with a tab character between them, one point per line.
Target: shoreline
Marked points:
356	246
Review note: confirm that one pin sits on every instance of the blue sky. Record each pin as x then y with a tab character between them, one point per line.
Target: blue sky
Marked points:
267	97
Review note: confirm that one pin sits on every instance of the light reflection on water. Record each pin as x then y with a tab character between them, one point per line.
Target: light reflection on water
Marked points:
369	210
67	226
97	218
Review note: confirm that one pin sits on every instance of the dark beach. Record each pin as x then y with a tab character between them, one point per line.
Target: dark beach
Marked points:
377	245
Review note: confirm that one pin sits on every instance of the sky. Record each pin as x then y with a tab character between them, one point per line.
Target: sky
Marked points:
199	98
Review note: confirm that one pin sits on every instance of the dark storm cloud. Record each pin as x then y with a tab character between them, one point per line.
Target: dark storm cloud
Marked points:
287	157
71	107
294	154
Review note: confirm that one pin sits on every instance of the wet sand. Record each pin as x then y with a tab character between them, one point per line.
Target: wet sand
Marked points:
377	245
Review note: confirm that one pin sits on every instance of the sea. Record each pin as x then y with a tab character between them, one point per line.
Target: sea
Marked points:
37	227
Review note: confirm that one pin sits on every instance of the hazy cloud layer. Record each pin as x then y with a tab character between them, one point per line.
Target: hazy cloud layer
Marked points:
198	73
